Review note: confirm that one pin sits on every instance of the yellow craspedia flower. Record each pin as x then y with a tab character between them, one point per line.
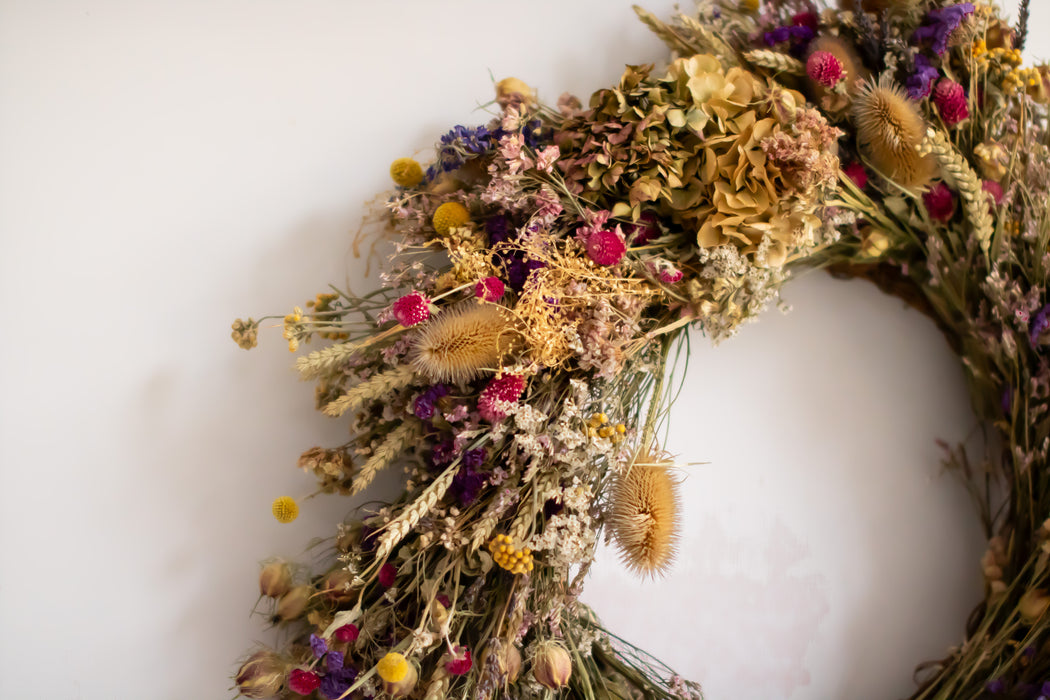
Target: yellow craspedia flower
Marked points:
392	668
406	172
285	509
450	215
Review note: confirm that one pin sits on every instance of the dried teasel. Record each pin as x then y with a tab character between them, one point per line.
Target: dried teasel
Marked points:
457	344
645	515
890	129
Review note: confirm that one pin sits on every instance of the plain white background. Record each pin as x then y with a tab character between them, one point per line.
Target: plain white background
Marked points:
166	167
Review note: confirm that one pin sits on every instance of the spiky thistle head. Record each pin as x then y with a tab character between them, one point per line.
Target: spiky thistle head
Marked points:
645	515
890	129
458	343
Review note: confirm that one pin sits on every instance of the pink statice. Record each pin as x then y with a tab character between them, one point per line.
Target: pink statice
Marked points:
490	289
593	222
664	270
547	206
411	309
512	149
546	158
500	396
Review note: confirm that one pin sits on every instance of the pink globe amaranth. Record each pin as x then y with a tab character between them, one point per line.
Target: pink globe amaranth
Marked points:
950	98
347	634
606	247
411	309
490	289
856	172
303	682
645	230
940	202
670	275
387	575
461	663
500	394
824	69
995	189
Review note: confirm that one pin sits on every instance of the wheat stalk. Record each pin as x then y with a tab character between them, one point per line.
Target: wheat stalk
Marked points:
666	33
327	359
395	443
400	526
439	685
959	174
775	61
375	387
485	526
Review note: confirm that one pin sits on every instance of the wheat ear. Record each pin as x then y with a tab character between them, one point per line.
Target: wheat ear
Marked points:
375	387
960	175
400	526
395	443
439	685
775	61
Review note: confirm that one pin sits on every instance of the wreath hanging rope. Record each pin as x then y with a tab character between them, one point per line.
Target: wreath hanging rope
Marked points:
546	268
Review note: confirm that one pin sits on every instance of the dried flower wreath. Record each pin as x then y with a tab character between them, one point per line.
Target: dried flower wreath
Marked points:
545	269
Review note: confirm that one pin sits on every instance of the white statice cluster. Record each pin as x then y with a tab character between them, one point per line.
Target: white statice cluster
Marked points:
570	536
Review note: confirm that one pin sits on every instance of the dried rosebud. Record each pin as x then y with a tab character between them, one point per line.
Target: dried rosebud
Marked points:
1034	604
293	603
552	666
275	579
261	676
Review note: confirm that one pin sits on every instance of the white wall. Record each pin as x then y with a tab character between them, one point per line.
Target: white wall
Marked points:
166	167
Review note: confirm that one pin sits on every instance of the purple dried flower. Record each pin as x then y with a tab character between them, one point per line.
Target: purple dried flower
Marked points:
318	646
335	684
920	83
424	404
1039	324
466	485
995	686
940	25
797	34
474	458
442	453
1006	400
334	660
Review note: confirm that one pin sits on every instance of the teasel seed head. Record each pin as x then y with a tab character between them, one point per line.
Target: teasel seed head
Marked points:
890	129
458	343
645	515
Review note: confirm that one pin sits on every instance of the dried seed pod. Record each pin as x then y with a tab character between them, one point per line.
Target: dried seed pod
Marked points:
293	603
261	676
552	665
644	515
890	129
275	579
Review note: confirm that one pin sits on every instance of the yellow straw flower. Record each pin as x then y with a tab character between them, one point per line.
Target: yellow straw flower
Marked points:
406	172
285	509
392	668
450	215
